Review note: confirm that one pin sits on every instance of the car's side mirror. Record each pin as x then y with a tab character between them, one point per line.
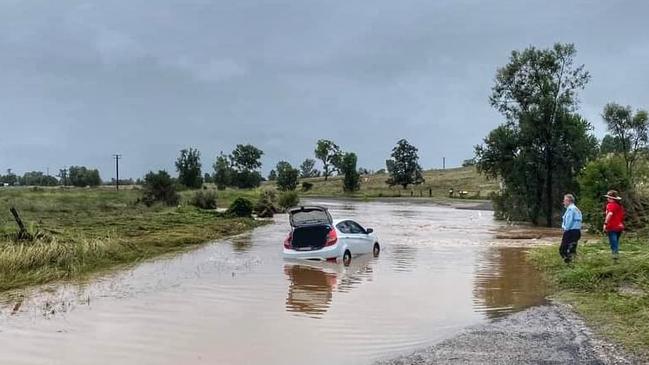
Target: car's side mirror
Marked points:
369	230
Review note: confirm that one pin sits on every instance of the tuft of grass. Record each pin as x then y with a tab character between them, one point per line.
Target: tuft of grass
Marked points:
611	295
76	232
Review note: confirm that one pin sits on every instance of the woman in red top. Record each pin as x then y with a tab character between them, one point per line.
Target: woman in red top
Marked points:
614	221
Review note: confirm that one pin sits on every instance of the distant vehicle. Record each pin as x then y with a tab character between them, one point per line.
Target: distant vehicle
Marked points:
316	236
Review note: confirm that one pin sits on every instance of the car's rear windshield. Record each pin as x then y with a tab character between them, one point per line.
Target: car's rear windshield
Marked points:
309	216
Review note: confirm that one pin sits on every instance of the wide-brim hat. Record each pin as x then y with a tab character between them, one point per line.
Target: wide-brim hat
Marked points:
612	194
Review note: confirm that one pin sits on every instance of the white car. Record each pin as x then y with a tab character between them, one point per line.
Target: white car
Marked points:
316	236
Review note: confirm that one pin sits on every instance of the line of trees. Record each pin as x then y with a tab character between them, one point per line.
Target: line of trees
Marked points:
79	176
544	148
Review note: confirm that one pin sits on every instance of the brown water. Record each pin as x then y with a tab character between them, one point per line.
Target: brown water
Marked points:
239	302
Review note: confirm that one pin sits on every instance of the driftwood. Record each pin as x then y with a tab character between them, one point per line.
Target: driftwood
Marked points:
23	231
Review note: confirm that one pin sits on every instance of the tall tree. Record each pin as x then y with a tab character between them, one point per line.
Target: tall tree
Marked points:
543	143
286	176
188	166
404	166
329	153
612	144
222	172
351	181
247	157
630	130
307	168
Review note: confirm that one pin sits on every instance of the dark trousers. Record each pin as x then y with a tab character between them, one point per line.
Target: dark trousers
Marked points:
568	248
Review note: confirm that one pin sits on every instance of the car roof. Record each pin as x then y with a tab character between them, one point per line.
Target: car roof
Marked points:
336	221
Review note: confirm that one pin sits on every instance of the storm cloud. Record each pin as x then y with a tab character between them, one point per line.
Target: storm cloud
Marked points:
81	80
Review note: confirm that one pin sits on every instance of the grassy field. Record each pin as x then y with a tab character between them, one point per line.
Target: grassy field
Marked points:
81	231
438	182
612	296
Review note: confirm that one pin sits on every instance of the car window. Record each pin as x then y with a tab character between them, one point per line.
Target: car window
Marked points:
343	227
355	228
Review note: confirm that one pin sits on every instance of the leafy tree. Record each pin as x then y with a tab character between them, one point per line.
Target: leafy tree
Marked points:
81	176
611	144
288	199
223	172
543	143
188	166
247	179
207	178
351	181
159	187
63	176
630	130
286	176
10	178
272	176
37	178
329	153
404	166
307	169
246	157
246	160
364	171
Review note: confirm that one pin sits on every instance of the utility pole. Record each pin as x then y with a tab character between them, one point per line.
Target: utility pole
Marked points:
443	163
117	157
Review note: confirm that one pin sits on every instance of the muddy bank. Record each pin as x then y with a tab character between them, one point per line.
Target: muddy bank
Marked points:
545	334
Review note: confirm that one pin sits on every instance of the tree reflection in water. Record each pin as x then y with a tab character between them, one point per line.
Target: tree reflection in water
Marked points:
505	282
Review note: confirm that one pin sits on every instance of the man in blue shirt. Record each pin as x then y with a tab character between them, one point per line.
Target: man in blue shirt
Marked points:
571	226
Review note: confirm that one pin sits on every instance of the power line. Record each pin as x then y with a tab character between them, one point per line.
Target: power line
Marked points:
117	157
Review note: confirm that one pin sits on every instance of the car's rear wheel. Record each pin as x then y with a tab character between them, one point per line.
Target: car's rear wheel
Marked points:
347	258
376	250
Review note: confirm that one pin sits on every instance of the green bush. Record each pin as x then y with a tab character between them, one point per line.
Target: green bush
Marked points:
204	199
159	187
241	207
598	177
288	199
306	186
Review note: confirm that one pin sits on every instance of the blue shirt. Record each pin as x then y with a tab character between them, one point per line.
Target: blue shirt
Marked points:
571	218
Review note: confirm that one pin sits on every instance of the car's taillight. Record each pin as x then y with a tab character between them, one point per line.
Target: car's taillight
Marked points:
332	238
288	240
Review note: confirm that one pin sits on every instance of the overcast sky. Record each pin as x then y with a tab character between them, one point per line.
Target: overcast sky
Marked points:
81	80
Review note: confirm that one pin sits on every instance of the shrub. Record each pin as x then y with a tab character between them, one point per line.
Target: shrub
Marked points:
265	207
241	207
306	186
159	187
288	199
204	199
598	177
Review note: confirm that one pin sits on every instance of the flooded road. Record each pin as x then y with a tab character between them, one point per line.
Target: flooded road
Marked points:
238	302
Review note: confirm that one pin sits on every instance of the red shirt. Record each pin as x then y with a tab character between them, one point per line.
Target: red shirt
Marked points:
615	222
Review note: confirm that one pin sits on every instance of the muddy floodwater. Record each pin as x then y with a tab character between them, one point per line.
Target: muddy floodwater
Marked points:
238	302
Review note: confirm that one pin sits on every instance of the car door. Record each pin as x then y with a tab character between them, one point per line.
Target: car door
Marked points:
363	243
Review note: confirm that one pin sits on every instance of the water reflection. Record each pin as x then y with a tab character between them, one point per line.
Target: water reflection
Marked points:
312	285
505	282
310	289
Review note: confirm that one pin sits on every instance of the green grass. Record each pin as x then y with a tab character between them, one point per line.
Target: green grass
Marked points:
438	181
82	231
612	296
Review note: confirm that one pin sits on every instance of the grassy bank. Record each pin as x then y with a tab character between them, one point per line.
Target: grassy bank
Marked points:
81	231
438	183
612	296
